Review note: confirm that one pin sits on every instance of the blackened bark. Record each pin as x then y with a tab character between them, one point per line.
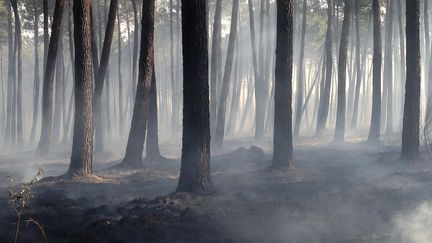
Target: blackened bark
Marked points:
195	160
82	145
323	108
220	127
47	92
100	77
410	132
135	144
282	140
342	67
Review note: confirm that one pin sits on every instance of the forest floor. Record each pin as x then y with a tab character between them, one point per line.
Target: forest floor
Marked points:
351	192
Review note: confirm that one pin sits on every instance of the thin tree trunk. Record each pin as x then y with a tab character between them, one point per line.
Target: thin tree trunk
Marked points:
101	75
135	144
342	67
323	108
388	69
300	75
120	81
410	132
216	45
220	127
36	84
374	132
47	95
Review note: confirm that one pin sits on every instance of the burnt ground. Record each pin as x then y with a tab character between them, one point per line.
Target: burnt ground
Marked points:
351	192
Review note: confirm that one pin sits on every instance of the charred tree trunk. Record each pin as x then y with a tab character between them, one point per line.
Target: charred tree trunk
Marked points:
195	160
410	132
82	145
342	70
135	144
324	104
48	84
11	77
388	69
282	140
220	127
300	77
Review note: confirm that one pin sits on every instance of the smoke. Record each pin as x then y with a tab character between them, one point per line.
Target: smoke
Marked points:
414	226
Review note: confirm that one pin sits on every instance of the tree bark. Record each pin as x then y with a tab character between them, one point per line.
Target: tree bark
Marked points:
300	79
282	137
410	132
374	132
195	160
135	144
342	70
220	127
216	45
36	84
323	108
47	92
120	77
101	74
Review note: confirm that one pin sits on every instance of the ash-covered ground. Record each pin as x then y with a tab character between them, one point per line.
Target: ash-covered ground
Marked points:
351	192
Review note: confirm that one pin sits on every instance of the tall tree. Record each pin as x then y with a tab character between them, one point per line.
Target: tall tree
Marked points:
152	143
82	145
36	83
195	159
282	137
359	69
342	70
18	51
47	92
220	127
388	71
120	77
410	132
101	75
135	144
374	132
216	45
323	108
300	76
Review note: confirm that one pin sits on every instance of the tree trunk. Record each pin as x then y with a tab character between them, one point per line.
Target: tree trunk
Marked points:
388	69
216	45
300	77
402	55
82	145
323	108
135	144
135	46
374	132
57	92
410	132
101	74
220	127
47	92
120	81
152	144
36	84
342	70
18	50
195	160
11	77
282	140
